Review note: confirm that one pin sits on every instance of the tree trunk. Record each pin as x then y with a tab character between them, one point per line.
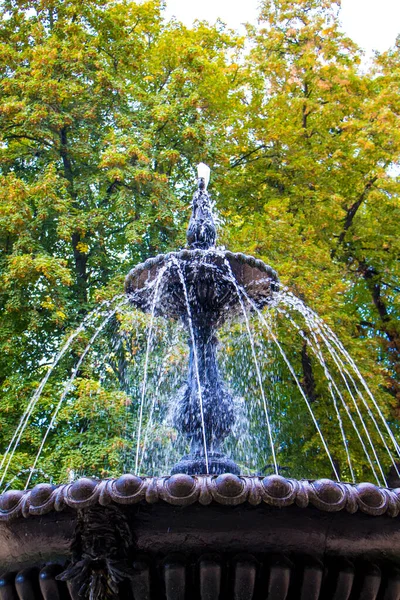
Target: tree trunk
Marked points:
80	258
308	381
386	325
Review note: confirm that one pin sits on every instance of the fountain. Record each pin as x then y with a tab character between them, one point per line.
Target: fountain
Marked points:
205	531
198	286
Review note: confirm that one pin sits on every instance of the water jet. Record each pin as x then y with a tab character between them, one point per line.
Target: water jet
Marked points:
205	531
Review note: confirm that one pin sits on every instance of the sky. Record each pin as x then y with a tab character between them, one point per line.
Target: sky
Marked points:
372	24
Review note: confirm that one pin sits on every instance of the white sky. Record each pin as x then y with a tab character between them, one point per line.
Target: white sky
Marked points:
373	24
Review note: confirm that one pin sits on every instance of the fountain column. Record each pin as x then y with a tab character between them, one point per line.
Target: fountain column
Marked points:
204	408
206	431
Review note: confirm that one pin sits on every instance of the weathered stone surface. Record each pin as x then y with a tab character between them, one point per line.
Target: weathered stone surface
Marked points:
181	489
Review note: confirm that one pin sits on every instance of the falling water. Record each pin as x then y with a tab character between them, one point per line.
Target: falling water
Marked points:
43	474
332	389
117	343
344	372
342	376
146	362
252	304
257	367
318	353
70	382
87	321
160	380
331	337
331	342
360	416
196	363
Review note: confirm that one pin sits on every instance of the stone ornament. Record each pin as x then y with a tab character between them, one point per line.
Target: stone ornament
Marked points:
184	490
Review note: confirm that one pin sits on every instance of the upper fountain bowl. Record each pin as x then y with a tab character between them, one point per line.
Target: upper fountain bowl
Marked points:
207	280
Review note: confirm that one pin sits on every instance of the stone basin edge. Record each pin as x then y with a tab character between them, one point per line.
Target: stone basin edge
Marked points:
187	255
184	490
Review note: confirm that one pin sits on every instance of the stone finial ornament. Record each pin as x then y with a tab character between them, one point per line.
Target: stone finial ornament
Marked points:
201	232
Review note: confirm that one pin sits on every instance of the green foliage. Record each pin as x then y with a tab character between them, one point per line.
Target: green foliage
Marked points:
105	109
312	188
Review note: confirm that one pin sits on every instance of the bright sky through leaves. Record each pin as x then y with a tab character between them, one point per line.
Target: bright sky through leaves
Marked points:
371	24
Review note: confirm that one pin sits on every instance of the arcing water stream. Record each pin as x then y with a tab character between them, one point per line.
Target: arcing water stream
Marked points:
320	340
206	290
70	382
87	321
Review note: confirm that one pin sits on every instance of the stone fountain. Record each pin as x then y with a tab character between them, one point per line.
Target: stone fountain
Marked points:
204	532
199	287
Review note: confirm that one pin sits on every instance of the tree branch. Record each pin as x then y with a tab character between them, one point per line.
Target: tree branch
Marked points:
21	136
242	159
352	211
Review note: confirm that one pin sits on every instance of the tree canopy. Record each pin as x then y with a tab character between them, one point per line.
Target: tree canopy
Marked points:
105	110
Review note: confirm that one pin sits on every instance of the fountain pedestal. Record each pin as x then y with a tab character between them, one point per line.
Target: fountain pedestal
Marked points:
204	408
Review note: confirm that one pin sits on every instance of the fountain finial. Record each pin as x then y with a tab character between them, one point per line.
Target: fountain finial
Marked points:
201	232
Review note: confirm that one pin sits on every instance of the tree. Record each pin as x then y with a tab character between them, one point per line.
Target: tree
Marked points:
104	109
312	190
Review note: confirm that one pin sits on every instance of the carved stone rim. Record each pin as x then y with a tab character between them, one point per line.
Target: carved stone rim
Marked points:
183	490
187	255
